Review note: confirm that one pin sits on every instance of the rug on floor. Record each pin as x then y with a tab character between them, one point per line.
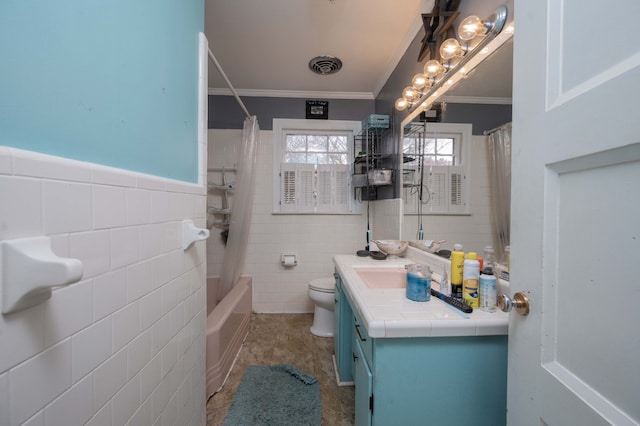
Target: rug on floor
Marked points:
276	395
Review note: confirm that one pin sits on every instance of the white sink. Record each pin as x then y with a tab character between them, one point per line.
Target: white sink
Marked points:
383	277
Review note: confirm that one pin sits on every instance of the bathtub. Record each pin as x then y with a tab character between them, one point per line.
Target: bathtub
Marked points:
227	326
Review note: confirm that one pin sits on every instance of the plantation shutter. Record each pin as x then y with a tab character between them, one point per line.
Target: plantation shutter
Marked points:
332	188
297	187
445	191
457	189
437	184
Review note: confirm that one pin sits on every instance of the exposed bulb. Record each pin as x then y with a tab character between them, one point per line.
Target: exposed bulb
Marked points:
410	93
401	104
419	81
470	28
433	68
451	48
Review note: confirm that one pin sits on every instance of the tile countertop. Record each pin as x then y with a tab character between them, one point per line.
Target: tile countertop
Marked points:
388	313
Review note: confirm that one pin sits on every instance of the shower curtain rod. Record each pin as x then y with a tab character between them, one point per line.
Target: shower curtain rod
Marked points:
488	132
217	64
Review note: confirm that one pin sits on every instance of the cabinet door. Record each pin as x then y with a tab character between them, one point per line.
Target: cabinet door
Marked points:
364	386
342	334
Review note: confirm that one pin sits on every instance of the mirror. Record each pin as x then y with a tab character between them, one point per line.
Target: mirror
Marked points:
441	162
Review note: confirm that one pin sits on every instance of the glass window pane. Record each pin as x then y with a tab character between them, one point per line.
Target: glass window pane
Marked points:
317	143
444	160
337	158
445	146
430	146
317	158
337	144
290	157
430	160
409	146
296	143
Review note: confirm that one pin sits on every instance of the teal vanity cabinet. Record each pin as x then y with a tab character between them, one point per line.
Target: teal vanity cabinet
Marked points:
454	380
342	339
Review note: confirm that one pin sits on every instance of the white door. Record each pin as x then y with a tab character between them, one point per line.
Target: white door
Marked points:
575	218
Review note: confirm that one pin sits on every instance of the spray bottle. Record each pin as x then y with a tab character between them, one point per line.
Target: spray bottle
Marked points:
457	264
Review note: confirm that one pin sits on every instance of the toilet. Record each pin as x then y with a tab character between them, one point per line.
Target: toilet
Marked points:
321	292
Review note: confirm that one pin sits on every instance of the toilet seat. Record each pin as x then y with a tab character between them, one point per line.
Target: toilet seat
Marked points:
323	285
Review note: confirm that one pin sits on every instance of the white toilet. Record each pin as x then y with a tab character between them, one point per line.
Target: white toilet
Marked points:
321	292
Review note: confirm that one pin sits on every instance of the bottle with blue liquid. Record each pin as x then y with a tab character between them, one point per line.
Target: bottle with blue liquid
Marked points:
418	282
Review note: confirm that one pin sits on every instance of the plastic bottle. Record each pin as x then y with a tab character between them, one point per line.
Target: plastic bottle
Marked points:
489	256
418	283
487	290
445	288
505	263
457	265
471	276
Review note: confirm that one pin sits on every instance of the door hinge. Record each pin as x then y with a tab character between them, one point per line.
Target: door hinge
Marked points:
371	403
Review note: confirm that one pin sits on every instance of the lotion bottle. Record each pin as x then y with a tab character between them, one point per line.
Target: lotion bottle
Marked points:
471	277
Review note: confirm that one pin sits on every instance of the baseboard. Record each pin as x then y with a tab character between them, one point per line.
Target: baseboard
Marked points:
335	369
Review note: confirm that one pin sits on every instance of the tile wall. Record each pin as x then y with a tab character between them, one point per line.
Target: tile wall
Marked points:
472	231
314	239
125	345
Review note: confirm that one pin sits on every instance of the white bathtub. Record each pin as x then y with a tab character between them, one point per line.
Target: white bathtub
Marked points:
227	326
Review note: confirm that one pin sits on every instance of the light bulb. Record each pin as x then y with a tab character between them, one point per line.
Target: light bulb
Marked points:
470	28
401	104
451	48
433	68
409	93
419	81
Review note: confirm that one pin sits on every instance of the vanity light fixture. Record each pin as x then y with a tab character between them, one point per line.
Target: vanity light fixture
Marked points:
439	76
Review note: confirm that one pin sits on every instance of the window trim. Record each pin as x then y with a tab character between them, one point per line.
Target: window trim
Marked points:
464	130
282	126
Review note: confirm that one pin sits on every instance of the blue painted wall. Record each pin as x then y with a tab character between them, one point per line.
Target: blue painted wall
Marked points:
225	113
109	82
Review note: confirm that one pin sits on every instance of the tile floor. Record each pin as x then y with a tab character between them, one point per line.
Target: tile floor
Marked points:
285	339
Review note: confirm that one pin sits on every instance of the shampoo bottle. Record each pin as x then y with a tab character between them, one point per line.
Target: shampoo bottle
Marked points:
489	258
487	290
457	264
471	277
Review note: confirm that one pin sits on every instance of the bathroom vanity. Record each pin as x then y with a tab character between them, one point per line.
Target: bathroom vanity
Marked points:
416	363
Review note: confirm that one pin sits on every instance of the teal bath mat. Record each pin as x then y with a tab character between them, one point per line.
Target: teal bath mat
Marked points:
276	395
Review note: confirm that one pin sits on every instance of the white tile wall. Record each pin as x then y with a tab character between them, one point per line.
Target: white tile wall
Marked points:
313	238
125	344
474	231
316	238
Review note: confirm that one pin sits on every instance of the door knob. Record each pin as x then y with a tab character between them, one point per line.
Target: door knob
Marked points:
520	302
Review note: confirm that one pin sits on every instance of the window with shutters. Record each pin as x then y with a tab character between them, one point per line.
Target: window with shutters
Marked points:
311	166
436	169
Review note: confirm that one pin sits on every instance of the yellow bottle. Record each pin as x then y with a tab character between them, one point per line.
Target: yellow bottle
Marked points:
457	264
471	277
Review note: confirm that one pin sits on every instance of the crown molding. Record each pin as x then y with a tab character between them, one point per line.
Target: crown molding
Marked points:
291	94
476	100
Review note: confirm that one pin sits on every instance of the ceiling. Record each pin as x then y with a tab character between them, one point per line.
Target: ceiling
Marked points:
264	47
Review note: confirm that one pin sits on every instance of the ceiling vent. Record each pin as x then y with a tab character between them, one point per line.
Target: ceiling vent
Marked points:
325	65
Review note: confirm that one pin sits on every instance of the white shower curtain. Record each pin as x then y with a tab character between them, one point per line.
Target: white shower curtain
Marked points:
499	145
241	209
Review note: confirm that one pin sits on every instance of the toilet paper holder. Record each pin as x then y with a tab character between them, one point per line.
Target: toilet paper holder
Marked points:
288	260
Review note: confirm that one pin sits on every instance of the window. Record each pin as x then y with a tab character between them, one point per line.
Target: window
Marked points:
436	169
311	161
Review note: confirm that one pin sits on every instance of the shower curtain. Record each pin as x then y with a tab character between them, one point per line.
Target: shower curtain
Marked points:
241	208
499	145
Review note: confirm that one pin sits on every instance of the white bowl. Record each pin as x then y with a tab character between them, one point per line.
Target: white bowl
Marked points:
392	247
430	246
